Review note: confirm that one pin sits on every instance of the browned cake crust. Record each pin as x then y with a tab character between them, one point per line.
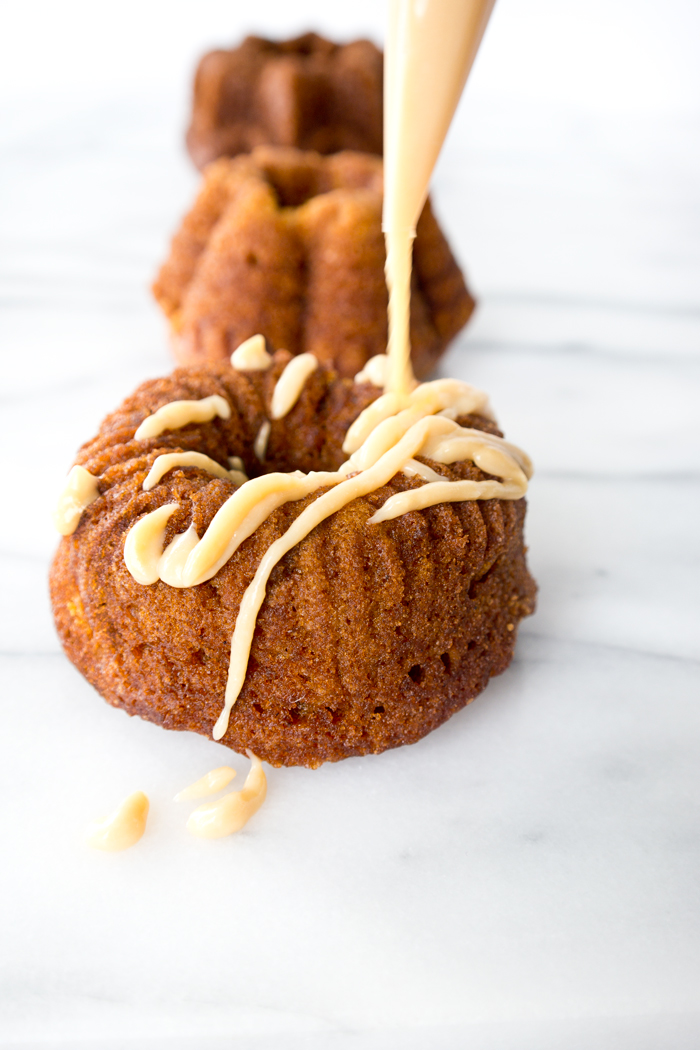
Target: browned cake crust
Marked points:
289	244
370	635
306	92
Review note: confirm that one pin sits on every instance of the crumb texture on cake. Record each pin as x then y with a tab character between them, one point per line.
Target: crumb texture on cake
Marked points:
307	92
369	637
289	244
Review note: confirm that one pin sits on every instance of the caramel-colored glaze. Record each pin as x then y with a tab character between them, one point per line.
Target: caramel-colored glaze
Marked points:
178	414
291	383
123	828
430	48
215	780
215	820
413	468
449	396
397	440
251	355
374	371
188	561
79	492
170	460
260	444
143	547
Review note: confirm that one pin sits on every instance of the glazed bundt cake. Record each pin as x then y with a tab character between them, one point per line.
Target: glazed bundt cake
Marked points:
307	92
289	244
369	635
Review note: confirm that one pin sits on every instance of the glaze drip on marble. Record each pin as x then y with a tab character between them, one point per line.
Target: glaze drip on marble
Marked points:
527	875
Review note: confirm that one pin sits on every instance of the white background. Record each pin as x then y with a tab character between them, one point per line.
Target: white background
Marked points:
527	875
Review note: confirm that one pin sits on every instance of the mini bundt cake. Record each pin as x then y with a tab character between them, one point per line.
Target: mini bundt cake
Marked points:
369	636
307	92
289	244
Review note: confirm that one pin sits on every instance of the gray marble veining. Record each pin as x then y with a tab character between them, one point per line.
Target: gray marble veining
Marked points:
527	875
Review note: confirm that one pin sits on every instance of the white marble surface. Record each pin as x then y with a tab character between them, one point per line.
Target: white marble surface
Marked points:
525	877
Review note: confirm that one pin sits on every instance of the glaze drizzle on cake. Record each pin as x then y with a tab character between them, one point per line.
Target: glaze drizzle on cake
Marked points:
408	420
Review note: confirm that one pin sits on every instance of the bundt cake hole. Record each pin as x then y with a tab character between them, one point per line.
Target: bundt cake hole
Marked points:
447	663
415	673
305	46
293	186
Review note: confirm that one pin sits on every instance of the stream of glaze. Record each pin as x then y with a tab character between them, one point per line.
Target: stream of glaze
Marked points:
430	50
